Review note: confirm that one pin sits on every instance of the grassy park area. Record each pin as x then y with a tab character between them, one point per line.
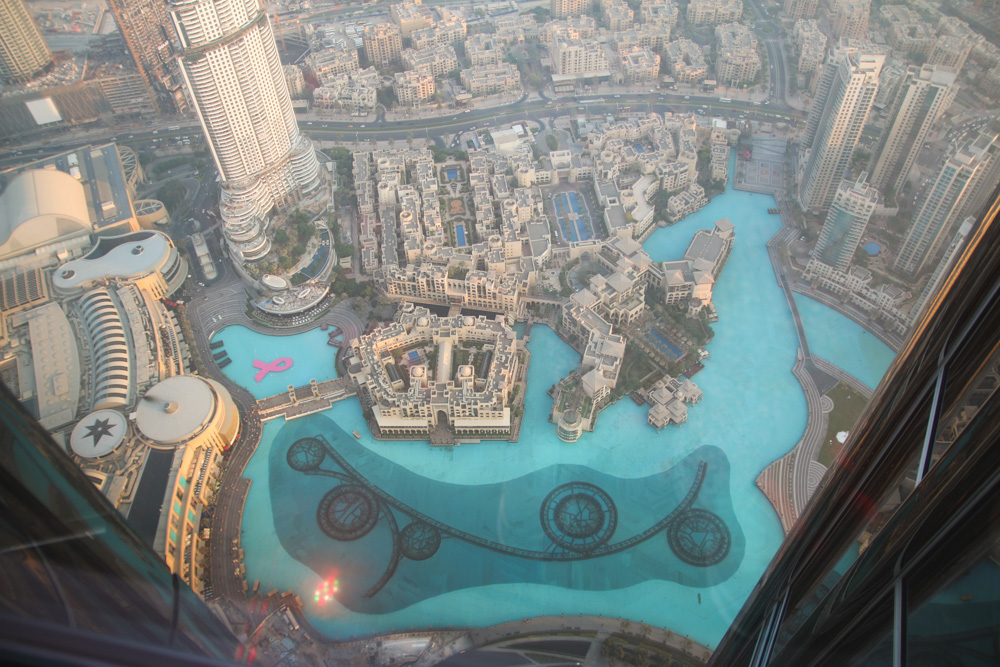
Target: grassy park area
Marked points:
848	405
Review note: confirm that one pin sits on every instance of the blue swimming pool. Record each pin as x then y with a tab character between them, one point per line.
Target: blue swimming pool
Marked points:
451	174
660	341
873	248
460	234
753	412
252	353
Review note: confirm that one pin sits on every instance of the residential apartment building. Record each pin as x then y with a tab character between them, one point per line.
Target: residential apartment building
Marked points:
701	12
486	79
640	66
151	39
617	15
482	50
659	13
383	44
844	97
564	9
413	87
812	45
951	51
410	16
686	61
924	95
444	32
942	206
800	9
737	60
332	62
579	58
436	61
853	205
851	19
24	53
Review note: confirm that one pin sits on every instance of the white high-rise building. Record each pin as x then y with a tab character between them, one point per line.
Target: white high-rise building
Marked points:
950	255
24	54
852	208
942	206
926	93
840	109
232	71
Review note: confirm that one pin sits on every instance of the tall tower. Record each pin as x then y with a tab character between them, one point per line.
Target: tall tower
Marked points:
925	94
23	51
151	39
987	146
852	208
957	243
837	120
942	206
232	71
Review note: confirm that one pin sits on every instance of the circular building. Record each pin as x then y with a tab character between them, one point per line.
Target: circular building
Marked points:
570	426
188	410
98	434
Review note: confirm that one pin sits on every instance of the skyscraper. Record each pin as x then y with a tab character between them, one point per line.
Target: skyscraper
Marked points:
853	205
232	71
987	145
151	39
23	51
843	99
941	207
943	267
925	94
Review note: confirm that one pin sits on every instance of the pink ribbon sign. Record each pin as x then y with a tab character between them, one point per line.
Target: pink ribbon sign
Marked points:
276	366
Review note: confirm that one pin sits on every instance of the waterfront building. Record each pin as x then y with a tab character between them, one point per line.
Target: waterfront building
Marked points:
235	79
685	203
737	60
151	39
417	394
383	44
882	303
925	94
942	205
852	208
844	97
24	54
667	398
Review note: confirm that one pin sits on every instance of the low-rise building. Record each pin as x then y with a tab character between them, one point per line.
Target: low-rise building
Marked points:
812	45
686	61
442	33
417	397
617	15
410	17
383	44
577	58
737	59
412	88
640	66
687	202
333	62
486	79
482	49
436	61
701	12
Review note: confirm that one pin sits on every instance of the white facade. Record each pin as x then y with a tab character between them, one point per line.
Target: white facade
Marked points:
231	69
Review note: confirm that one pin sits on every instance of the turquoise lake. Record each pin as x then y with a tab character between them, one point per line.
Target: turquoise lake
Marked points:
488	502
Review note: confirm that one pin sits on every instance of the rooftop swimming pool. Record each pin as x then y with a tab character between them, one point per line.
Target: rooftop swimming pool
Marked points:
667	528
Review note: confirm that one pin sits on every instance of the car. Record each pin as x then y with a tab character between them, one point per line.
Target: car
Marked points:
468	111
309	123
617	95
362	126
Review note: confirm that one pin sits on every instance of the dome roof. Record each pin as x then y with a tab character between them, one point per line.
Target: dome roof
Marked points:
38	207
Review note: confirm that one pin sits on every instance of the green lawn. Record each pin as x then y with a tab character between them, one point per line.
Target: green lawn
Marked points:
847	407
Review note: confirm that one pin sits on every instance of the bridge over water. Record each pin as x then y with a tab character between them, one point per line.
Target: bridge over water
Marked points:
306	400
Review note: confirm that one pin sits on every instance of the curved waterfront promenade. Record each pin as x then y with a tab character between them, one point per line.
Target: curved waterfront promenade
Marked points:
790	481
